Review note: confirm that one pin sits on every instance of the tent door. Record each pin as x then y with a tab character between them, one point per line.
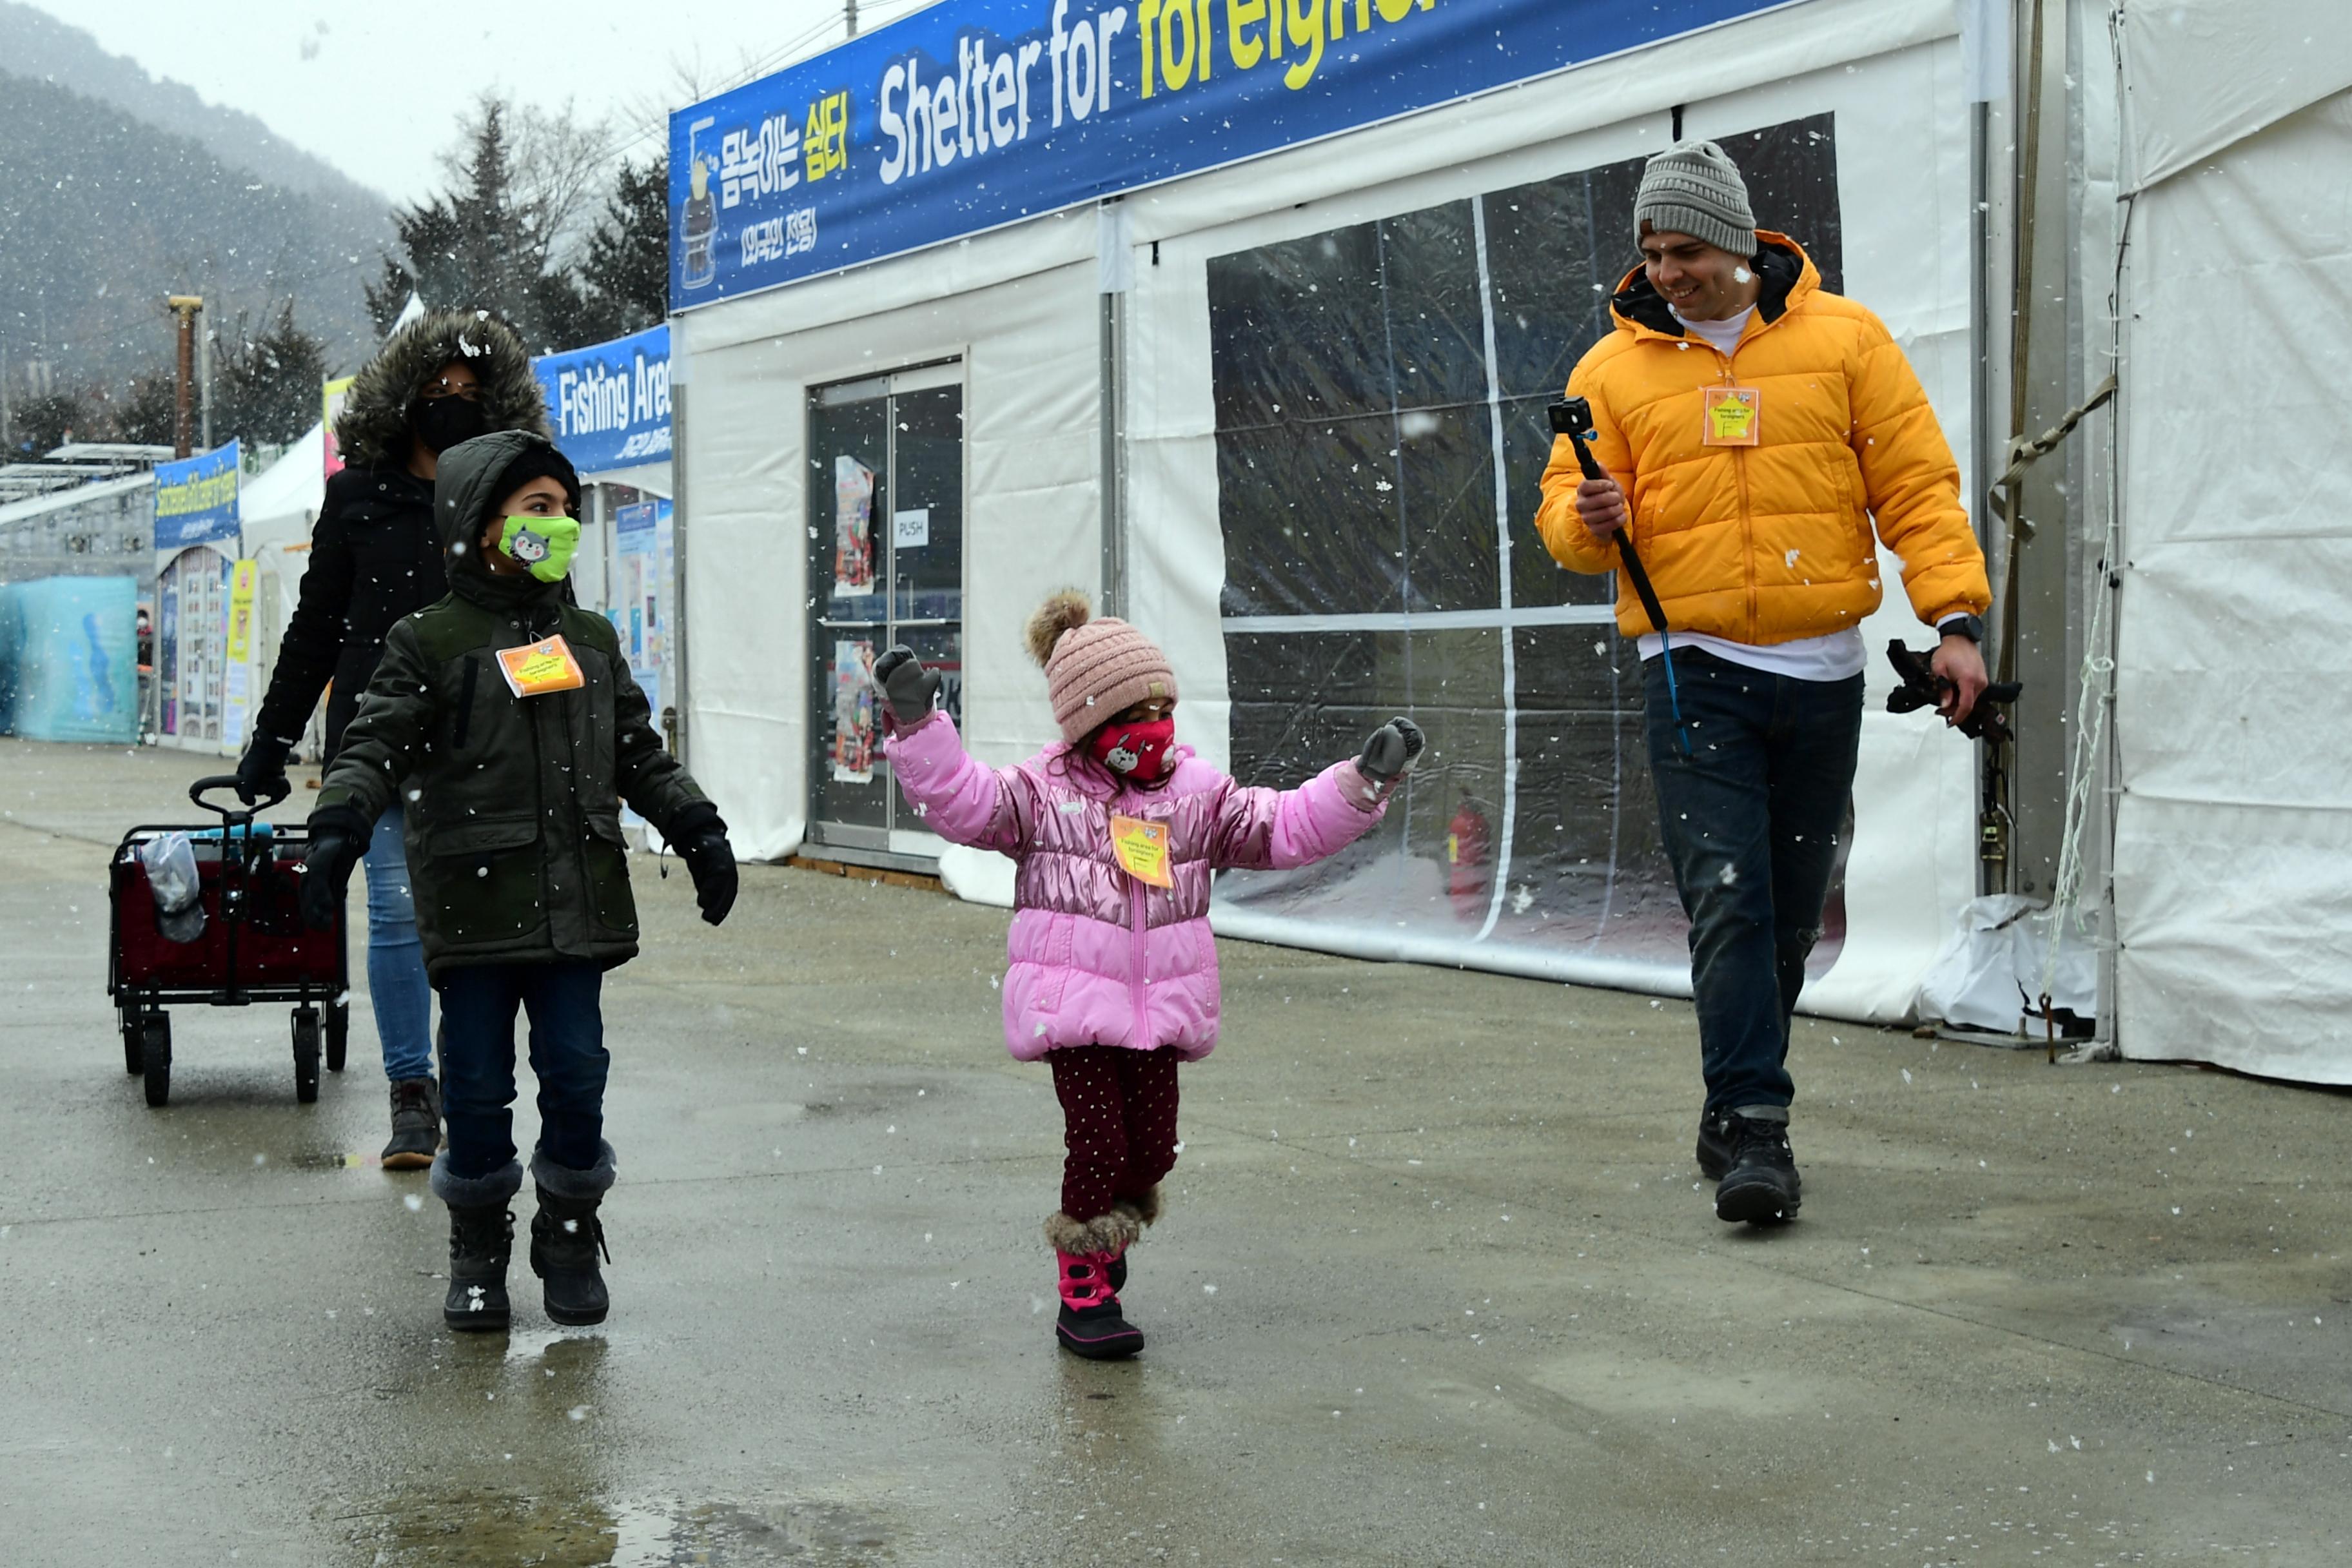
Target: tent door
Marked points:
885	471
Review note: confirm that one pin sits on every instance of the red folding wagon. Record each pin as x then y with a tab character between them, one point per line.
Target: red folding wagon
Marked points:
253	949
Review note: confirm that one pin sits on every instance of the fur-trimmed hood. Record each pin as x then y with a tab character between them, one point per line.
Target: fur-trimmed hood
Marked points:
372	429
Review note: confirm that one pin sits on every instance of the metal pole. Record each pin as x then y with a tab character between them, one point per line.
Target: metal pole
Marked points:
205	381
185	306
680	728
849	11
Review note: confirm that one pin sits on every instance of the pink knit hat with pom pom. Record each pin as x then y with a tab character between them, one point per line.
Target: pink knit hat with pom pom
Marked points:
1095	669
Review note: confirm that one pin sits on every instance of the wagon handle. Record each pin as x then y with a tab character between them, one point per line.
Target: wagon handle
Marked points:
198	791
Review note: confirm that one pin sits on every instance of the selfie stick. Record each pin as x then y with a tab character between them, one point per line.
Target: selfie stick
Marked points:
1573	419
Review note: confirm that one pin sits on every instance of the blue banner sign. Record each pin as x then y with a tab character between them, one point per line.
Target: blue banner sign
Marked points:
976	113
195	498
609	404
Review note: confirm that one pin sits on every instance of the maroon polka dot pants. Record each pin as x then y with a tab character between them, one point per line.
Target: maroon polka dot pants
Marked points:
1118	1115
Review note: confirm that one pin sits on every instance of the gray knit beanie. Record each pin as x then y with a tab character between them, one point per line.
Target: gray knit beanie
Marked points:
1695	188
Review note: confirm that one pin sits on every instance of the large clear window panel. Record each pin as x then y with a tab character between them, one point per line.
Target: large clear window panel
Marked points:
1355	462
927	507
1302	701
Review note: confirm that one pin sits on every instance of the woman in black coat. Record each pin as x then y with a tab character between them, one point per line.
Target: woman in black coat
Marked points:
375	557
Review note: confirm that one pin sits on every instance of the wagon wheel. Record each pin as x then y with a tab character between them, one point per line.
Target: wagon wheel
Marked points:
339	1034
133	1029
306	1054
155	1056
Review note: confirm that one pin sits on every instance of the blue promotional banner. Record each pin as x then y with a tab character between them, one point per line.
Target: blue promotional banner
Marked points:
609	404
195	498
976	113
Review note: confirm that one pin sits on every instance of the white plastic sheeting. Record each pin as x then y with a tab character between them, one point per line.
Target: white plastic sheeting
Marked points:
1019	306
2233	835
2203	74
1904	182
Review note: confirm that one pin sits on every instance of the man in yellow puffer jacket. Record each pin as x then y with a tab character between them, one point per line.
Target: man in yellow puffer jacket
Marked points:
1759	426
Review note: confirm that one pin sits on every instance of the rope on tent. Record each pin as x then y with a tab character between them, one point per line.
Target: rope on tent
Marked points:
2093	690
2092	686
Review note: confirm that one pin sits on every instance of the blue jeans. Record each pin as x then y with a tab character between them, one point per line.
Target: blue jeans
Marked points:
477	1062
395	960
1750	820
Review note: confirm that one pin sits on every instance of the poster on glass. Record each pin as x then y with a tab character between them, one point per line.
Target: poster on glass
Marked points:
853	527
853	712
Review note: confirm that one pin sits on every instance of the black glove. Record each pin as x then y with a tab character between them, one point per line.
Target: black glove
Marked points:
339	837
700	839
262	770
1389	754
912	690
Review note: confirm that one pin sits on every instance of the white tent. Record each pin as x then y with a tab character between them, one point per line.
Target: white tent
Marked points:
1528	849
2233	831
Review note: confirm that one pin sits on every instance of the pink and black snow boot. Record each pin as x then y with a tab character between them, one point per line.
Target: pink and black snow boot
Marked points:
1089	1323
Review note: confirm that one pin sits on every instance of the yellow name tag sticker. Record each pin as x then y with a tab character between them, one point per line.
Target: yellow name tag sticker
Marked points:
1731	415
542	668
1142	847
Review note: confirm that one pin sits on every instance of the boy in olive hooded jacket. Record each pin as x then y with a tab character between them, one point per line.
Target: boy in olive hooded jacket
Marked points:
504	722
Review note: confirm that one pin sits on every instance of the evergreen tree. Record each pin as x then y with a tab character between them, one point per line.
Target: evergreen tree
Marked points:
266	388
41	425
494	239
149	411
626	274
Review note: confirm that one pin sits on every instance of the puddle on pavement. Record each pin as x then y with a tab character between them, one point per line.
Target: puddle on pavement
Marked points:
487	1530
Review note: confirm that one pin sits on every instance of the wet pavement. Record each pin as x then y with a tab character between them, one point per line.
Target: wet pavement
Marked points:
1436	1282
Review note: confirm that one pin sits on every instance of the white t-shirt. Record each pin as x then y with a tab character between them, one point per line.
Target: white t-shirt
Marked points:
1723	334
1839	655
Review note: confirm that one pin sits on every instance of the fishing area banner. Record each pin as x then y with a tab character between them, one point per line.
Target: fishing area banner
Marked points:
977	113
195	498
609	404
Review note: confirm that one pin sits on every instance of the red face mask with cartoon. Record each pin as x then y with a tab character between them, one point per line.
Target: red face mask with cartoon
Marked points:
1134	750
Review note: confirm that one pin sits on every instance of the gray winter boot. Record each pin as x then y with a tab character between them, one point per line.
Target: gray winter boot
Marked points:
481	1240
415	1125
566	1237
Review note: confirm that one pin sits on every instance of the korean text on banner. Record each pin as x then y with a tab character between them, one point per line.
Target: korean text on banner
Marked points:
195	498
609	404
243	577
331	401
975	113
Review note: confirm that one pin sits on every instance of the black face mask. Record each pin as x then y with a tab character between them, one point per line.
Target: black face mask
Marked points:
442	422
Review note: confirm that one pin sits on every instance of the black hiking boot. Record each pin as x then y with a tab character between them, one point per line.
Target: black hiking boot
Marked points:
1714	1146
415	1125
480	1242
1759	1184
565	1238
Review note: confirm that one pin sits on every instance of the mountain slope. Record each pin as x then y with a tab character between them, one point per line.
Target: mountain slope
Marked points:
34	44
102	214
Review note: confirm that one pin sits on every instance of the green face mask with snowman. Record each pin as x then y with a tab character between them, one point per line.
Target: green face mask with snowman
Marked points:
545	544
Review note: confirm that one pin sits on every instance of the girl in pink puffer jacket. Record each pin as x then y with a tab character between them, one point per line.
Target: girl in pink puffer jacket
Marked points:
1113	973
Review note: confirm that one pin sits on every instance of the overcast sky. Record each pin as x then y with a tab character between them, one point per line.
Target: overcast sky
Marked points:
376	89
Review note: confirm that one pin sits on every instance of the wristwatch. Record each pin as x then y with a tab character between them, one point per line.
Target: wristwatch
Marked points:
1969	627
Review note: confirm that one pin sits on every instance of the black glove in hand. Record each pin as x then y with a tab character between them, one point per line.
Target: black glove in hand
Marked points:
912	691
262	772
339	837
700	839
710	861
1389	754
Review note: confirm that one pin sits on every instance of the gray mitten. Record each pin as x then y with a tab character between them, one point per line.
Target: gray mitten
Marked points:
1389	754
912	691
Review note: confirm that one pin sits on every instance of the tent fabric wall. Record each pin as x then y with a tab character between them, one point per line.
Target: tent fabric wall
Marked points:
2203	74
1019	309
2234	827
1020	305
1903	188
